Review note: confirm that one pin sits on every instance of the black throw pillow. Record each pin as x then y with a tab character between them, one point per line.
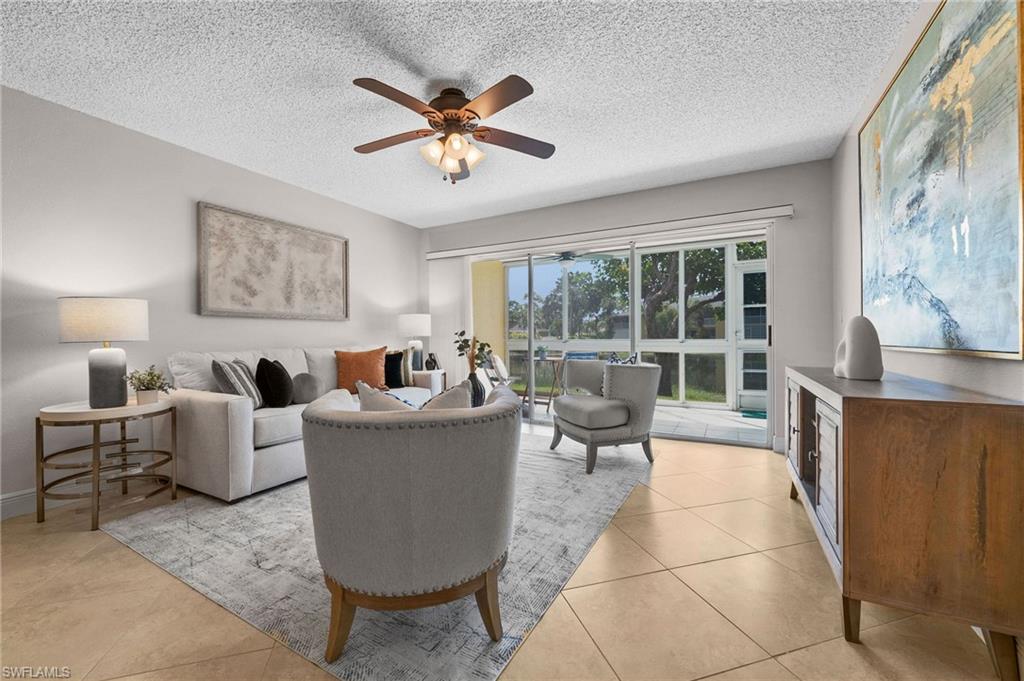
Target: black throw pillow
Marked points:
393	369
274	382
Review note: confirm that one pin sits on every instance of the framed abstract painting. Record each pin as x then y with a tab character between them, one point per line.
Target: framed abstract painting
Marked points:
251	266
942	257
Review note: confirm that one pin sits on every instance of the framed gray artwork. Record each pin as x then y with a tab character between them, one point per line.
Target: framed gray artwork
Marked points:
942	229
251	266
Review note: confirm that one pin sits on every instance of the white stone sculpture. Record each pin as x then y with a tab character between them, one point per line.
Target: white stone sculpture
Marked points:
859	355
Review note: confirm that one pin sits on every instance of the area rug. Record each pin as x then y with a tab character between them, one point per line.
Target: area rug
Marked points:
257	558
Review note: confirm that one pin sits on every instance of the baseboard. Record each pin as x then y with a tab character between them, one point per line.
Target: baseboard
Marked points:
779	444
24	501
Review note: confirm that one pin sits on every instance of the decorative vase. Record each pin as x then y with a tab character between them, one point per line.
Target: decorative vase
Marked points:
542	354
478	390
147	396
431	364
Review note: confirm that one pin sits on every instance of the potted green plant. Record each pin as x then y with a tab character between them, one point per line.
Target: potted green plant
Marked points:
148	384
542	352
477	355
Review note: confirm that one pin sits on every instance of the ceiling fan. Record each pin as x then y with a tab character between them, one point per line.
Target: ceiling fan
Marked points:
454	117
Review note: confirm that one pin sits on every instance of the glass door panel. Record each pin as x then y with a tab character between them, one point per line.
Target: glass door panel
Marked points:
598	300
704	376
755	306
704	271
659	295
668	385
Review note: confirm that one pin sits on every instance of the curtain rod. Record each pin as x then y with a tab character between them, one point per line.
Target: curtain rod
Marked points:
636	232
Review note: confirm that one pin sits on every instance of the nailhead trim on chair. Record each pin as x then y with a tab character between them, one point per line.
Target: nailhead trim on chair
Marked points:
502	557
331	423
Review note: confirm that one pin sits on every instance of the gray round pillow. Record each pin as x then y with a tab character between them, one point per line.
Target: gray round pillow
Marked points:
306	388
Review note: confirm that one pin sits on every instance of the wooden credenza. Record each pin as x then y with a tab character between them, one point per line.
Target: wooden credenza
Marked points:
915	490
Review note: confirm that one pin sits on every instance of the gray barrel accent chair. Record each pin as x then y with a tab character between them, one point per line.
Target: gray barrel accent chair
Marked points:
411	508
606	404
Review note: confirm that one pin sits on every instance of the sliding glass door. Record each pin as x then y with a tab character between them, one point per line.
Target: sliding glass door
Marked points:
701	312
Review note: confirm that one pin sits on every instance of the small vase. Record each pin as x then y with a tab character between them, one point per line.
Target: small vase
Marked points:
478	390
147	396
431	363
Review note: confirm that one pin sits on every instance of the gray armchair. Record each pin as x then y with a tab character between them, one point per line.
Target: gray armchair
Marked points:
411	508
616	407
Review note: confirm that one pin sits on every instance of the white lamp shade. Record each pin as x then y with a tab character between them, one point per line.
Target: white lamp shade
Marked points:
93	320
414	325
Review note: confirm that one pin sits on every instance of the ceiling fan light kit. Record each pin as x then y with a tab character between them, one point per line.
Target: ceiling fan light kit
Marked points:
455	118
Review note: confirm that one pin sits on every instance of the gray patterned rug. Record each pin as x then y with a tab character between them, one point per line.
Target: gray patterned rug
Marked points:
257	558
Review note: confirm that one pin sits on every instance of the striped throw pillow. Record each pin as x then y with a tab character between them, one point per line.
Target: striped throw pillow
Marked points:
235	378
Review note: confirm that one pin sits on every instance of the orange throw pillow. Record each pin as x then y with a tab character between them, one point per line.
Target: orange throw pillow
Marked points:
365	366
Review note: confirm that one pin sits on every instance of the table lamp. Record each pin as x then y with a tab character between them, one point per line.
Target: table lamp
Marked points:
416	325
102	320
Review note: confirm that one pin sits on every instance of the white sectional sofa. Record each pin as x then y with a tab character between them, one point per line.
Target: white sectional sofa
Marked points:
229	450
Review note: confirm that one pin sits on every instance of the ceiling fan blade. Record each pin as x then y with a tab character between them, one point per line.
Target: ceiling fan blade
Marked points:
511	140
397	96
377	145
497	97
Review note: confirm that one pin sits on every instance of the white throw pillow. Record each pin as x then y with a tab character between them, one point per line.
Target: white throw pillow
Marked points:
371	399
456	397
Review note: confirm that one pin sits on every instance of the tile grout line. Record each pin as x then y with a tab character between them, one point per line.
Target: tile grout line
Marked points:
591	637
186	664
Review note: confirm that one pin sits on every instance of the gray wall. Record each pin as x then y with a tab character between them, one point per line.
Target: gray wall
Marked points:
802	258
995	376
91	208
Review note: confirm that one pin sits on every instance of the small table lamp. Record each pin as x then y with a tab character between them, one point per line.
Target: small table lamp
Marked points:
102	320
416	325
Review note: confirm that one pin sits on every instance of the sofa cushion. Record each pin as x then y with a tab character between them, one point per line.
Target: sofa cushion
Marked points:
393	369
366	366
413	395
371	399
306	388
591	411
456	397
274	382
275	425
324	365
293	359
192	370
234	378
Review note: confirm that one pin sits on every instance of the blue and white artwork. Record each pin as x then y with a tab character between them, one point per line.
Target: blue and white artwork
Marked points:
940	185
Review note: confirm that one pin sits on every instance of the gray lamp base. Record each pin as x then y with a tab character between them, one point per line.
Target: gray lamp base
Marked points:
417	354
107	387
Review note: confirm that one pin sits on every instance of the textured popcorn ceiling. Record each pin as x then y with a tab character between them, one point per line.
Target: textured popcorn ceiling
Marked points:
633	94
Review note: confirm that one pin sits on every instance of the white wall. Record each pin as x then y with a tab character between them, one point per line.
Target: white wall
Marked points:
91	208
995	376
802	248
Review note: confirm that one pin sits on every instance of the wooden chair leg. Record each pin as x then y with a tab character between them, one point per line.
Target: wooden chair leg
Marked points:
591	458
851	619
647	449
793	494
1002	650
342	614
557	437
487	602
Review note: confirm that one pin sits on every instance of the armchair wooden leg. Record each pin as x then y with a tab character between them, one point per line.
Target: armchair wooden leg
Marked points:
793	494
342	614
487	602
647	449
557	437
591	458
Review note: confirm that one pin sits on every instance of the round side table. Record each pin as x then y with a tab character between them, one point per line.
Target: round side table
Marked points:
104	468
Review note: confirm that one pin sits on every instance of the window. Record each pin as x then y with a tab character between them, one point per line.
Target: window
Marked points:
668	385
547	300
659	295
755	371
598	301
705	377
516	285
755	310
704	269
752	250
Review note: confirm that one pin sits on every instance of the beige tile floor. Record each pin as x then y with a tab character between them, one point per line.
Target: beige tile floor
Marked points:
708	572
